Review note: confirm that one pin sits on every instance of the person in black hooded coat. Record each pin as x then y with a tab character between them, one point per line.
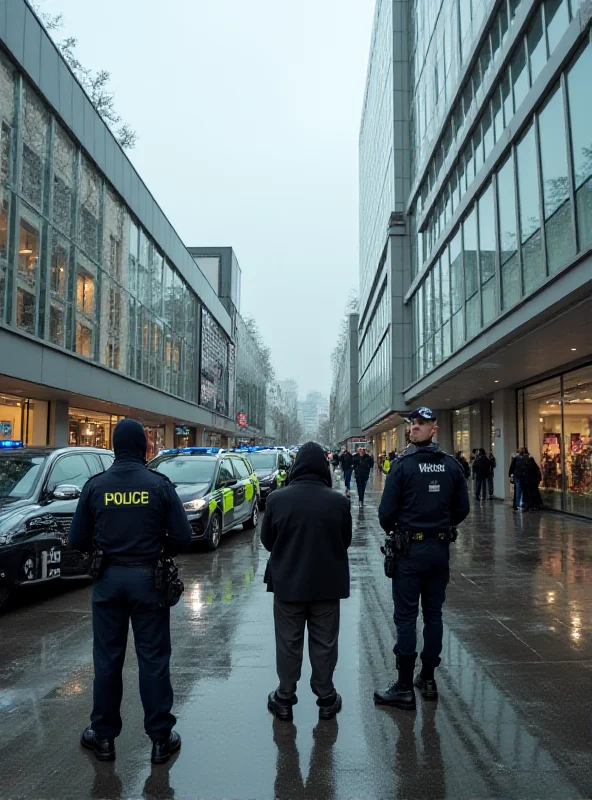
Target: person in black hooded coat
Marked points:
307	528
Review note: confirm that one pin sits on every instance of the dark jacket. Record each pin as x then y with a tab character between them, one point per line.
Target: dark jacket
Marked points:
424	491
132	511
307	528
347	461
464	465
519	467
362	466
481	467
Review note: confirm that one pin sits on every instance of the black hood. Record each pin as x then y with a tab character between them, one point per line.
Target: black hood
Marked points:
129	441
311	465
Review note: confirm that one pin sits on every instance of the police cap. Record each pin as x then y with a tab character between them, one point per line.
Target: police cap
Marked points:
423	412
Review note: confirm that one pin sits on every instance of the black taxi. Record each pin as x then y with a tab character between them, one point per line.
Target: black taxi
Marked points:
39	491
218	489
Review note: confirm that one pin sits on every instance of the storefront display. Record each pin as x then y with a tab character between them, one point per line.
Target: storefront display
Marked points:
184	436
154	440
91	428
557	429
23	419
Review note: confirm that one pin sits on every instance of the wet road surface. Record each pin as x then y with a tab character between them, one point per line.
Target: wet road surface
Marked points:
514	718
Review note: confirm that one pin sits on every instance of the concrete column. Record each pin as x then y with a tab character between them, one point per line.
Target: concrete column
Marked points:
445	431
59	423
506	440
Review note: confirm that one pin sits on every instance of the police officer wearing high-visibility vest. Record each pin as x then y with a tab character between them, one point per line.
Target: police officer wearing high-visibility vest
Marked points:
425	497
130	513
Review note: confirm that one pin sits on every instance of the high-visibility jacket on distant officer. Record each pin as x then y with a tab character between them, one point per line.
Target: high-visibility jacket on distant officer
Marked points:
127	509
425	490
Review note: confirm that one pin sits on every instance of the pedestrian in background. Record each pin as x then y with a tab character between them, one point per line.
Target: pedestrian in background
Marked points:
424	495
386	465
481	472
307	528
464	464
346	460
363	463
519	472
131	537
493	465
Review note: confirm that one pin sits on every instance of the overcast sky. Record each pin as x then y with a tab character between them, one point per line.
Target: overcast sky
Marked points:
248	116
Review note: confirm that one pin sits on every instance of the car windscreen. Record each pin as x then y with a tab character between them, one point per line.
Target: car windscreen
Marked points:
19	475
186	469
262	460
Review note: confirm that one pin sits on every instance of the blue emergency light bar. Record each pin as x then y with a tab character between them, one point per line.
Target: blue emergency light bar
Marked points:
202	450
10	444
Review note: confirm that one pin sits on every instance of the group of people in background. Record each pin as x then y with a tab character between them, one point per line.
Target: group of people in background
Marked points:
481	468
525	474
358	464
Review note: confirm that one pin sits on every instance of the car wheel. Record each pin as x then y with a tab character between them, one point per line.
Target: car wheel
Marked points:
28	569
214	532
253	519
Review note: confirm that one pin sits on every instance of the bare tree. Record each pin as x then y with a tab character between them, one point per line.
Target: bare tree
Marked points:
96	84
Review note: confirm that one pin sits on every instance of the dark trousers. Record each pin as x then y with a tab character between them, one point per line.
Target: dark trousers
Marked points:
480	484
422	574
121	595
361	484
322	620
490	484
347	475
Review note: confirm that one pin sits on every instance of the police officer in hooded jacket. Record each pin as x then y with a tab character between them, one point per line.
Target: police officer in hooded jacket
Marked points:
130	513
425	494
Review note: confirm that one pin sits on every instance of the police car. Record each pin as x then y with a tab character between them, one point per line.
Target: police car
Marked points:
39	491
219	489
271	466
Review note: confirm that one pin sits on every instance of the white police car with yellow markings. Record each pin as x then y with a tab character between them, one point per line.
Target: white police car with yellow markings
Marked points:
218	489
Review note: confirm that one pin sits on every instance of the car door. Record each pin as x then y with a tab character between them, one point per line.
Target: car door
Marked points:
225	484
73	469
243	504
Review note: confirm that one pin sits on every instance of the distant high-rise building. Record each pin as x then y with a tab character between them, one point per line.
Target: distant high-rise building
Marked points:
312	411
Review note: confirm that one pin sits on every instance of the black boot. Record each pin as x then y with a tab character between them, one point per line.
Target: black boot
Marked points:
280	708
329	706
163	749
426	683
104	749
400	693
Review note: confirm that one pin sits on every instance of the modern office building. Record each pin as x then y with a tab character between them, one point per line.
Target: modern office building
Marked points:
311	412
345	405
476	230
103	311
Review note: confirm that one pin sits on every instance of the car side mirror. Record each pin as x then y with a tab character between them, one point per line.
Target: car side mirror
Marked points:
66	491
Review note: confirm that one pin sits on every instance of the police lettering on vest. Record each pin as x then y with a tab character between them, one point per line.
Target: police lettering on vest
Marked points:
432	468
126	499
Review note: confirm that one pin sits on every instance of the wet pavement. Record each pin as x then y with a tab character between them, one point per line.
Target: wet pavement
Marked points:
514	718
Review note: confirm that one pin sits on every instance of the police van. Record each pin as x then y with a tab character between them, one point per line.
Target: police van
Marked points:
39	491
218	489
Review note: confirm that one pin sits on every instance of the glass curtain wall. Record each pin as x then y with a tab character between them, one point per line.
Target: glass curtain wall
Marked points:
76	269
556	426
539	228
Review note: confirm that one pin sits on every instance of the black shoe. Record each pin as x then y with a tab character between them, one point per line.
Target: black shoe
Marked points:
427	687
104	749
163	749
280	708
396	695
330	706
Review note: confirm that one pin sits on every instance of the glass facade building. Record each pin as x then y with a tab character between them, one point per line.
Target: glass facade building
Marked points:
89	265
485	253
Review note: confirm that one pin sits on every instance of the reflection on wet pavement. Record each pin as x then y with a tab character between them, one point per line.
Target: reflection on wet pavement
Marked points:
513	718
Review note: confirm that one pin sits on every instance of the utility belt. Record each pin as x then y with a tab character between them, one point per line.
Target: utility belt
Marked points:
167	582
398	543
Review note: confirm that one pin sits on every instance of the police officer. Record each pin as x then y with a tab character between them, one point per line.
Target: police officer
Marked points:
425	494
130	513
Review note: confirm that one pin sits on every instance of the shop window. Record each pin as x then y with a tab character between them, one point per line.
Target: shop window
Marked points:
557	20
64	172
28	271
577	440
85	292
35	135
556	190
580	112
506	203
542	413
